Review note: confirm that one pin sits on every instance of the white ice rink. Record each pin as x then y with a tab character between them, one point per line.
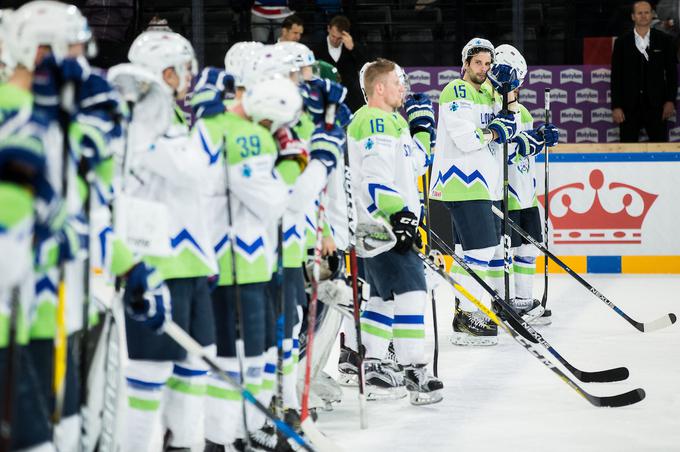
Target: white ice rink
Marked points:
503	399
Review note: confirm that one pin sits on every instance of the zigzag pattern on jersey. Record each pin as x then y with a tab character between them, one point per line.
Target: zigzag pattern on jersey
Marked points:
213	151
386	200
43	319
463	186
251	261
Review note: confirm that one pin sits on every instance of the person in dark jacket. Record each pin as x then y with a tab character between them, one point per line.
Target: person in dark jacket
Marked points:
340	50
644	79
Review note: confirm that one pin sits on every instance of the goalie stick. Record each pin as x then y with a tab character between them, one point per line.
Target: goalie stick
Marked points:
645	327
618	400
528	332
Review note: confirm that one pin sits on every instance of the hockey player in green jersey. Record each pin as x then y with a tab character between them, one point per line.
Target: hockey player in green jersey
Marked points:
387	157
522	201
165	386
465	176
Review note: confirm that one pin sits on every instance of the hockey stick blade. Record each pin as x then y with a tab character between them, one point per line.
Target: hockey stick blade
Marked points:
615	401
185	341
662	322
320	441
624	399
528	332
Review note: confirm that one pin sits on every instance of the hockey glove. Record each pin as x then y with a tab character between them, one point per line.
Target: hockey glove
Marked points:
49	80
318	93
504	126
291	148
343	115
503	78
529	142
208	96
405	228
551	135
147	298
420	115
327	146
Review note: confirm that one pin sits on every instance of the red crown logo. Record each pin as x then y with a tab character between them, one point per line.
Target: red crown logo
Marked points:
595	215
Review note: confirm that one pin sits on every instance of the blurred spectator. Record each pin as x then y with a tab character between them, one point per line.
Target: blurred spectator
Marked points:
667	17
644	79
291	29
340	50
266	17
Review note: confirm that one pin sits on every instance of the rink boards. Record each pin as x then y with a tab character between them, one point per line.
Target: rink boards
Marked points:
614	208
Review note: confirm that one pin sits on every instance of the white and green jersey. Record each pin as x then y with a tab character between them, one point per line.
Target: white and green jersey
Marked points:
522	173
386	163
465	168
257	193
163	169
17	210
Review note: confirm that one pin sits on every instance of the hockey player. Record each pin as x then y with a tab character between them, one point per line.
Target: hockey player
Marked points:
163	172
522	201
465	175
25	198
257	198
388	158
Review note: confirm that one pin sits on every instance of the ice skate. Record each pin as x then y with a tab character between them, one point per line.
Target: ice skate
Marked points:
544	319
348	367
473	328
382	382
327	389
424	389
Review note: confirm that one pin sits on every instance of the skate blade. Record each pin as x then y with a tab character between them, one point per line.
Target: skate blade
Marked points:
426	398
467	340
348	380
377	394
541	321
534	314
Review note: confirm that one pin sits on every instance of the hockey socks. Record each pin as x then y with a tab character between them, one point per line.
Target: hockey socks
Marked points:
376	326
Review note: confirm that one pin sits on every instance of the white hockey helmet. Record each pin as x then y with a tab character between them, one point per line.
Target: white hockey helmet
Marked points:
238	56
159	50
507	54
269	62
473	47
302	55
46	22
277	100
362	71
6	62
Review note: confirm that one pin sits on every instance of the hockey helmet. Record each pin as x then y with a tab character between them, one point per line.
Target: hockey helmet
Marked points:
507	54
277	100
238	56
474	46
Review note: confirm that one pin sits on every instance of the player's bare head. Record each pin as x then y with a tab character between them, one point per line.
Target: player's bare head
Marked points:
477	65
641	13
382	83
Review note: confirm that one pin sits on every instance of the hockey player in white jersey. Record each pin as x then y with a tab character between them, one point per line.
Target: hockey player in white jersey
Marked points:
522	201
166	387
388	158
465	176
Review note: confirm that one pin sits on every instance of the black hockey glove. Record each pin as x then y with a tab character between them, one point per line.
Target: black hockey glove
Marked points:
405	227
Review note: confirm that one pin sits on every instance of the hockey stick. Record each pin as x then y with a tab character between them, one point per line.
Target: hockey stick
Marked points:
280	320
354	272
11	371
624	399
662	322
240	344
178	335
546	194
426	201
528	332
506	228
306	421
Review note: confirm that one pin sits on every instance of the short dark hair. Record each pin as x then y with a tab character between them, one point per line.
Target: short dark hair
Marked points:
342	23
291	20
632	7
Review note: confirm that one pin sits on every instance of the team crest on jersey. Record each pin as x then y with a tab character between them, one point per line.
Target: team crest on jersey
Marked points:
247	171
454	106
523	165
407	150
369	144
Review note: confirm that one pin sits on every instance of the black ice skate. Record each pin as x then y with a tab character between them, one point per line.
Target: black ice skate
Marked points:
423	388
382	382
391	359
473	328
348	365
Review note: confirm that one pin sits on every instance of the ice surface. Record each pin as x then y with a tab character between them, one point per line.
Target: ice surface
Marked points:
503	399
